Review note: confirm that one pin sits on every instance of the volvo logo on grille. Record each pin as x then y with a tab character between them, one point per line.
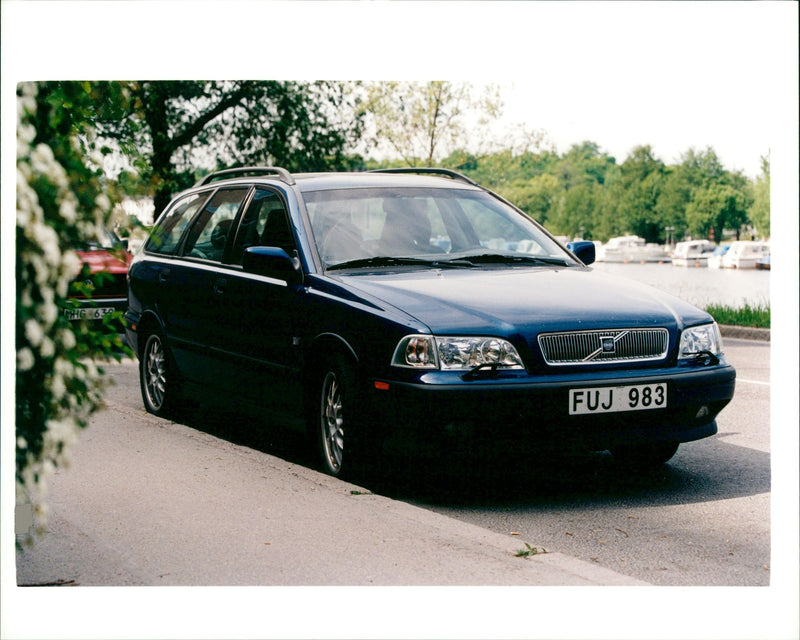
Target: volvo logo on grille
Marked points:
607	343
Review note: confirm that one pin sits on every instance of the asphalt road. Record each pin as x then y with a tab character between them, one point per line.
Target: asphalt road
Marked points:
704	519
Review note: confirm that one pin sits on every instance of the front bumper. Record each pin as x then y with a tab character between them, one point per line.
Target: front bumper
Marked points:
438	413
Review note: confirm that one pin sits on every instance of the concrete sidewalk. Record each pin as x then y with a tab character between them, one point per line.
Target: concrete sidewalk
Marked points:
152	502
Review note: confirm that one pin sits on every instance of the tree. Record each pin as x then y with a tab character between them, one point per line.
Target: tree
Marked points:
61	202
759	211
715	207
718	199
539	197
421	122
175	130
641	177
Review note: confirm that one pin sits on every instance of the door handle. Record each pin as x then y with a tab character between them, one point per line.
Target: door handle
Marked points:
219	285
163	275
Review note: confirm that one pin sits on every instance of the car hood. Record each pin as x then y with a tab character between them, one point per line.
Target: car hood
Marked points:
104	261
524	301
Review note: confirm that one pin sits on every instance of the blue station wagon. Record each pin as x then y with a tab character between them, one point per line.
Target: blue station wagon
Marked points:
412	312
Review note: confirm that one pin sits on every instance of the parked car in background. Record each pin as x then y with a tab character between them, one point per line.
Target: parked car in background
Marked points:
102	287
412	312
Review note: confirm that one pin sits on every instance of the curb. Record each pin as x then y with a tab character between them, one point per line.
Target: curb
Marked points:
745	333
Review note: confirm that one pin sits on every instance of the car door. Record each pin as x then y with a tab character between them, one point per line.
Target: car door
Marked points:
193	309
255	334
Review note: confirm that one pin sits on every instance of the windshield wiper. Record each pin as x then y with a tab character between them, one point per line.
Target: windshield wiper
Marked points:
461	261
382	261
504	258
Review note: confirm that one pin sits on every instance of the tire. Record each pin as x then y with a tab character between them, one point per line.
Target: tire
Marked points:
335	421
156	379
644	456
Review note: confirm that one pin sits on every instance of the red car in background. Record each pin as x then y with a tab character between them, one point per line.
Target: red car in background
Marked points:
102	287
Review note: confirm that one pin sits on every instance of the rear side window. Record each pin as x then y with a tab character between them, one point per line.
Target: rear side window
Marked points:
170	227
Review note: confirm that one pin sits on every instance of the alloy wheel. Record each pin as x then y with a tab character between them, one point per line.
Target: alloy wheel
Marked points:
155	369
331	422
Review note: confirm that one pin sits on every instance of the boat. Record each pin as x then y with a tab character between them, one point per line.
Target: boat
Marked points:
764	263
630	248
692	253
715	259
744	254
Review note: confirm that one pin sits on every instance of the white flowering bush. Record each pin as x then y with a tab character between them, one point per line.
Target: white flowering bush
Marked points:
59	202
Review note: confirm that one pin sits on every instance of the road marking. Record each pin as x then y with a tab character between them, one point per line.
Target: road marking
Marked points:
752	381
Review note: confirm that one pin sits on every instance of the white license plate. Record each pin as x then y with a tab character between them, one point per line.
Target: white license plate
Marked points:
89	313
637	397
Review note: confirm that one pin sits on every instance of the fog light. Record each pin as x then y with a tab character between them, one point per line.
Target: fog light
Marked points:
702	412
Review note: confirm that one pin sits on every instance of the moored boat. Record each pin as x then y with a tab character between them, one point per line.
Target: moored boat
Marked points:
630	248
692	253
744	254
715	259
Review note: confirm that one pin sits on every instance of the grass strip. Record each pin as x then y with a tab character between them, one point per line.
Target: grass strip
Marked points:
749	315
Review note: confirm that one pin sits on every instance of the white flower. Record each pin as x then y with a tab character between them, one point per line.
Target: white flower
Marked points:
42	159
57	387
67	338
71	265
67	210
25	359
47	311
33	332
47	238
103	202
48	348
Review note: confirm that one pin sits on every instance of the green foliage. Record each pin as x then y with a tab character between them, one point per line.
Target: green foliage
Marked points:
529	551
759	212
175	131
61	203
750	315
417	120
585	193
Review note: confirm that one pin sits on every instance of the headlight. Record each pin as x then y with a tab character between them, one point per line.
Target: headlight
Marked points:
455	352
704	339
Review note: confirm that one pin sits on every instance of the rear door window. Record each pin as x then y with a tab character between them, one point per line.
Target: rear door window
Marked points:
209	234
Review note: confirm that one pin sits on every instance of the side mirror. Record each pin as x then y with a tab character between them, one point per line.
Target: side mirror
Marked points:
272	262
583	250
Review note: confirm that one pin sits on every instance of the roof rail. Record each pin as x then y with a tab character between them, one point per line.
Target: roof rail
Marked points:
455	175
282	174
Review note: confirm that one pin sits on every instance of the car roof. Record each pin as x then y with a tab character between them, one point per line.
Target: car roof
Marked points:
322	181
316	181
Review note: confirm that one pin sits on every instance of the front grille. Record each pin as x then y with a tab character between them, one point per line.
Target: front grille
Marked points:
615	345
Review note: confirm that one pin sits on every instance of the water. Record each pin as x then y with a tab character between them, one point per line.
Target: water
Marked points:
699	285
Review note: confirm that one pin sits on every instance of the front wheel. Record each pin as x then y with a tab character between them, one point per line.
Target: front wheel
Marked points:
336	417
159	388
644	456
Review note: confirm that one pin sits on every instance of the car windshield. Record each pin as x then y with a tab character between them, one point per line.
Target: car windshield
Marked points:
356	228
105	240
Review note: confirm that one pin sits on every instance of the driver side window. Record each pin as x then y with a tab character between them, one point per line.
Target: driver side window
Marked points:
265	223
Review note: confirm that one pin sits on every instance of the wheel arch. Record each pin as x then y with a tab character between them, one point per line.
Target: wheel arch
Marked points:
148	323
323	349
